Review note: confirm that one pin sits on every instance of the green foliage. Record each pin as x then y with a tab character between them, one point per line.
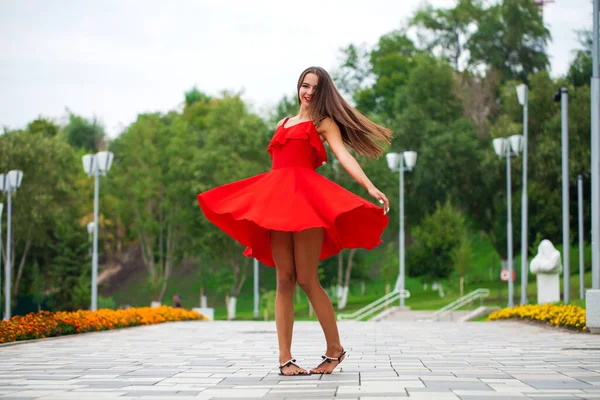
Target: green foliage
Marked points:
462	255
286	107
511	38
434	241
449	29
44	127
267	302
580	69
106	302
194	95
153	174
84	134
70	270
389	267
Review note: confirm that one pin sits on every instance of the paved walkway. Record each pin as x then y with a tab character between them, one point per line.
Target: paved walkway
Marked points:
390	359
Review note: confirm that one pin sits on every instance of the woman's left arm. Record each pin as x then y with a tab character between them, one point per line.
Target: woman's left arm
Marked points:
331	132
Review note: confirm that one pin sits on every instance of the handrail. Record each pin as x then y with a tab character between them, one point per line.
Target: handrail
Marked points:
374	306
480	294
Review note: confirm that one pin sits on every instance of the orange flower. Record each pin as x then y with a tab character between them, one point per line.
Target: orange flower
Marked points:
47	324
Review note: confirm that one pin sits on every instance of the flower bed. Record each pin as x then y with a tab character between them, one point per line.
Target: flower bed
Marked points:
47	324
559	315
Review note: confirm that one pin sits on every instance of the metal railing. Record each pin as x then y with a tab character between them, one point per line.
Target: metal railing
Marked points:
375	306
455	305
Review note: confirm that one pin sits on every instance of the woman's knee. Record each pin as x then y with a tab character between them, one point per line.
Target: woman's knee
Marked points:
286	282
308	284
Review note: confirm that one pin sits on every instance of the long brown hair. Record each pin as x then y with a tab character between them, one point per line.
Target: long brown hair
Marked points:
358	132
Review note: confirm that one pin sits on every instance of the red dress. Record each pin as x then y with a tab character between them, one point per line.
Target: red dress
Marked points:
293	197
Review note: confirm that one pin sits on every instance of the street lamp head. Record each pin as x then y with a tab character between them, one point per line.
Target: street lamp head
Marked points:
393	159
89	164
516	143
3	187
104	159
14	179
500	146
90	228
522	90
1	208
558	95
410	158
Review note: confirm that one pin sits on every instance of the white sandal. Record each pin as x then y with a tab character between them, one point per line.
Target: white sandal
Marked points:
328	360
287	364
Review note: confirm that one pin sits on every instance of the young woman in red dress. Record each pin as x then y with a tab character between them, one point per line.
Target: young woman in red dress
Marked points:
291	217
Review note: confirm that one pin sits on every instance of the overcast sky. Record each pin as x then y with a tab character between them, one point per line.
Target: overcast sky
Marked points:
114	59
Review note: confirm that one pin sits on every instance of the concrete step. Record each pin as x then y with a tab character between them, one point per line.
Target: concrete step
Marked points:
399	314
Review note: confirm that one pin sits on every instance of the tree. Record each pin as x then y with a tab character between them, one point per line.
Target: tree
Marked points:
510	37
434	241
462	256
43	126
580	70
45	197
346	282
84	134
234	147
446	31
391	63
70	268
355	72
194	95
153	172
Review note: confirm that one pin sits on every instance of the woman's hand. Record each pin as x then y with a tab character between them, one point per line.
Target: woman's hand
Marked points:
380	197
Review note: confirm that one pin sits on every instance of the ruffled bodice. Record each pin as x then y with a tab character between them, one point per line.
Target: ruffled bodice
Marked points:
297	146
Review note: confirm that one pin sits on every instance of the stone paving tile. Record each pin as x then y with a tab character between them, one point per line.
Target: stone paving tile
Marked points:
389	359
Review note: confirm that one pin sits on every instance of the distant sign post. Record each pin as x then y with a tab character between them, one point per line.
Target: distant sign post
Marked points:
504	274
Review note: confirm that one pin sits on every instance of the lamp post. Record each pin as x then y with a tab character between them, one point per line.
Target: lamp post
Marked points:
595	151
401	162
96	165
503	147
10	183
523	96
563	96
256	289
90	231
1	208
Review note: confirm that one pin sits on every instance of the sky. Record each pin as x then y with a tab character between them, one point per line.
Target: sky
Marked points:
114	59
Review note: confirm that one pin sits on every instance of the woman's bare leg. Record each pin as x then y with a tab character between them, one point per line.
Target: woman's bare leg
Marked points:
282	249
307	248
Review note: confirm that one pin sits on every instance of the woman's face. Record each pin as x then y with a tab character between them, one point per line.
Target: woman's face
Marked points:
308	88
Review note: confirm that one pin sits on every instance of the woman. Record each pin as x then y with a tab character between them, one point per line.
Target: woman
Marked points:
292	217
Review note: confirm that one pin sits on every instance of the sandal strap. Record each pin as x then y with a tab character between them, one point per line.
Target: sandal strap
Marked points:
288	363
328	359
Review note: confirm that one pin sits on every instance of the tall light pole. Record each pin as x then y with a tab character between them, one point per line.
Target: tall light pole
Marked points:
10	183
401	162
503	148
1	208
563	96
256	288
90	231
595	140
96	165
523	96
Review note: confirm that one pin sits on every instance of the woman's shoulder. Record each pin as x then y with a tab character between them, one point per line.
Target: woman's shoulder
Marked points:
282	121
326	124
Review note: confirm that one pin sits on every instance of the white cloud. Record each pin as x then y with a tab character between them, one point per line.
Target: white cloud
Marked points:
115	59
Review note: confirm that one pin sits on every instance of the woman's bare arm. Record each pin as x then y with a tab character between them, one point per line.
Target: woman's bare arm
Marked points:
331	132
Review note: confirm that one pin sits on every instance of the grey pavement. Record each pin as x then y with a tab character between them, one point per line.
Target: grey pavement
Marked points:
387	360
